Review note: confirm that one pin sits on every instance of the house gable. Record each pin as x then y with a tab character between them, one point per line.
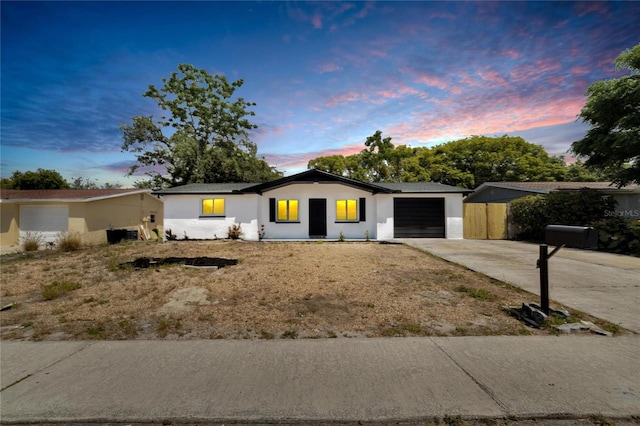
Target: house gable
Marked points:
314	176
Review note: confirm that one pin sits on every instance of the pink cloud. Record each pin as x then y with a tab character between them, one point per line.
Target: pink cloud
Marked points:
316	21
509	114
365	10
433	81
344	97
329	67
300	160
584	8
561	24
580	70
493	77
514	54
388	94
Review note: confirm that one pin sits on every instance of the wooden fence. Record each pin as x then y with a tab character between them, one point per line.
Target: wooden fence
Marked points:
485	221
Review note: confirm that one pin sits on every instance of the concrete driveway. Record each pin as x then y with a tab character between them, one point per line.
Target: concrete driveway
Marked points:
604	285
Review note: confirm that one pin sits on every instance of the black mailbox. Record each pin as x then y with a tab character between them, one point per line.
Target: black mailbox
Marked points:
584	237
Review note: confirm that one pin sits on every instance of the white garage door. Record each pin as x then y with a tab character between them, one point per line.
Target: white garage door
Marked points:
46	221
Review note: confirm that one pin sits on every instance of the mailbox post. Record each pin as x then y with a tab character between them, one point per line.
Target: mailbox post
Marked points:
543	265
584	237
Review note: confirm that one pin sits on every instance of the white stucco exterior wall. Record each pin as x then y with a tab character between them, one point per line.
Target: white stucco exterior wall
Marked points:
384	217
453	212
183	215
329	191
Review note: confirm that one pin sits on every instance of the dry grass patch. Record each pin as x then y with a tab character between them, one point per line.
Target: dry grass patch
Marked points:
277	290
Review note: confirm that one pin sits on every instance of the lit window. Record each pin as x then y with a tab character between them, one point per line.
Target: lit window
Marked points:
346	210
213	207
287	210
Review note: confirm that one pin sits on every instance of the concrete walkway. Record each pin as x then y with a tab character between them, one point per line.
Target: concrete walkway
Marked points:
332	380
604	285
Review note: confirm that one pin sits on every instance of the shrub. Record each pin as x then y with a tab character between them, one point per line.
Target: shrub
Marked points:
529	213
235	232
58	289
619	235
31	242
585	207
581	208
68	242
169	235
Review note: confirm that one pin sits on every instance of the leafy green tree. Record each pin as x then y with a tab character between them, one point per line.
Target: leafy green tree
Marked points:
40	179
578	172
377	158
86	183
336	164
466	163
6	183
613	112
202	136
472	161
380	161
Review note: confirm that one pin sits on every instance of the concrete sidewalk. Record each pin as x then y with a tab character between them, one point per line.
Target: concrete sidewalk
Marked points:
331	380
602	284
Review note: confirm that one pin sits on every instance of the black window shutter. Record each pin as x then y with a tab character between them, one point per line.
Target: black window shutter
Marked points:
363	208
272	209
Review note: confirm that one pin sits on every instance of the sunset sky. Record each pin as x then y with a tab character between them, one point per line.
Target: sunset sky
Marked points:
324	75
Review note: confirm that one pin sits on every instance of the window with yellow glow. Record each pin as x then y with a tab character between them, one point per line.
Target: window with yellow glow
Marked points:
213	207
287	211
346	210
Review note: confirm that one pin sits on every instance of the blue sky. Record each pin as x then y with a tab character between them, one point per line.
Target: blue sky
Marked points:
324	75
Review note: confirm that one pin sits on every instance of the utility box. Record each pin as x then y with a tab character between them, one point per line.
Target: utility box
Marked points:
583	237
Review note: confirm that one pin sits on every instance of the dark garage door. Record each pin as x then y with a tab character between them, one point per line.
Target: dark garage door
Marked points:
418	217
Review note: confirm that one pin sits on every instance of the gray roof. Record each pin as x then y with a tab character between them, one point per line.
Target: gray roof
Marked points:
237	188
420	187
546	187
311	176
206	188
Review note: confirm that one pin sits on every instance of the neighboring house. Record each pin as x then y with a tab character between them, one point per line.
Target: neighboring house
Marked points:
314	204
87	213
628	197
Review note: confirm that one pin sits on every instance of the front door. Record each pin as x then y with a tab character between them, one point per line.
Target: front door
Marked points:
317	217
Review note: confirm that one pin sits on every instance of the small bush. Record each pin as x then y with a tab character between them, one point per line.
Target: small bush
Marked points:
529	213
169	235
31	242
59	289
68	242
266	335
619	235
235	232
584	207
289	334
97	332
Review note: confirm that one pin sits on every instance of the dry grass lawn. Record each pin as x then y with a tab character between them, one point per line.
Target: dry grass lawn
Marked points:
277	290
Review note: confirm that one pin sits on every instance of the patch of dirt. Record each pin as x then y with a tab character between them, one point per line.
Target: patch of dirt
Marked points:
277	289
